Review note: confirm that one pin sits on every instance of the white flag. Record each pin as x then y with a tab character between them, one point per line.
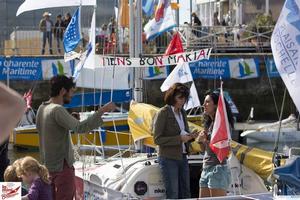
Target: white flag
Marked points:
87	57
163	20
285	43
29	5
182	74
193	101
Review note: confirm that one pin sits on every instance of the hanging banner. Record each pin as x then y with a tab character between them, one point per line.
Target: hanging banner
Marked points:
53	67
226	68
106	61
271	68
152	73
20	68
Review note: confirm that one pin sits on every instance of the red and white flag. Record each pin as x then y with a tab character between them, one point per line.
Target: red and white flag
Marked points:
220	137
175	45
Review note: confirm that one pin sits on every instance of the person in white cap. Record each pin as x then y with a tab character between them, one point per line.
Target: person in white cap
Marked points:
46	26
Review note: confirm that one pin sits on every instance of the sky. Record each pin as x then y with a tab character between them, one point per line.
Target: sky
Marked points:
184	10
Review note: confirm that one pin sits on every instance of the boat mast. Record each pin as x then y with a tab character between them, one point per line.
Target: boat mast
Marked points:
135	47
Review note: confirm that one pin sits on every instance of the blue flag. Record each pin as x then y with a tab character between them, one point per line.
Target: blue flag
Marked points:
72	35
148	7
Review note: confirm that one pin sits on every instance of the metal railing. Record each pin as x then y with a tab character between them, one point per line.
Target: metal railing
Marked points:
28	40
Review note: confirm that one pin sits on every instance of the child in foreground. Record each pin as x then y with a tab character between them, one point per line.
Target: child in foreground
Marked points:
10	175
37	176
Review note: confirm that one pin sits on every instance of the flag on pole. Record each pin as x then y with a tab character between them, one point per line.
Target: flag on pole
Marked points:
175	45
72	36
220	137
124	14
87	56
162	21
29	5
285	43
148	7
182	74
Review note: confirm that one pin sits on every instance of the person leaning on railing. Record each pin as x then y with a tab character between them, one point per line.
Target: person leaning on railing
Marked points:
46	27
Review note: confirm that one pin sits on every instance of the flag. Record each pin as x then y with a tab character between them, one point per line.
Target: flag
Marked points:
28	98
86	57
116	8
285	43
29	5
162	21
148	7
72	36
193	100
175	45
182	74
124	14
220	137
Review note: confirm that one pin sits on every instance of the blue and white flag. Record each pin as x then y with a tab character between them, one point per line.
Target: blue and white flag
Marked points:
285	43
182	74
162	21
72	35
87	58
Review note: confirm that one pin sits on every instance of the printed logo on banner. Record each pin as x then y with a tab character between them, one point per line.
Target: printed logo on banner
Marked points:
156	72
271	68
10	190
210	69
56	67
20	68
243	68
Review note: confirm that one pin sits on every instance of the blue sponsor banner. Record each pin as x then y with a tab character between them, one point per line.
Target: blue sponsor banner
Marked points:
226	68
91	99
18	68
271	68
211	69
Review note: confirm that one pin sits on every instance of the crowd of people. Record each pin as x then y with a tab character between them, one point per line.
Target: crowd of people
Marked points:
57	29
106	37
55	177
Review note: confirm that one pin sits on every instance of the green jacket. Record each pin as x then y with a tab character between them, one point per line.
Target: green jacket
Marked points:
167	133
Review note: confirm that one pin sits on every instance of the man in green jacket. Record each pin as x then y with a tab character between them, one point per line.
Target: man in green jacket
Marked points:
53	125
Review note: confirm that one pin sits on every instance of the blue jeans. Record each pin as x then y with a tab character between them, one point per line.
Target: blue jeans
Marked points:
176	177
47	35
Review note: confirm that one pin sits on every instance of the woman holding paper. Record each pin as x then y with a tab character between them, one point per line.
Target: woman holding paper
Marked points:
215	176
171	134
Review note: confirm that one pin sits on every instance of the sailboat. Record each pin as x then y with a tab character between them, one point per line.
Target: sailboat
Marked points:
268	131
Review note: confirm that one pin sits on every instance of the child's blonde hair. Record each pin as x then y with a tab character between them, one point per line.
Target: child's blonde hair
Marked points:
10	174
29	164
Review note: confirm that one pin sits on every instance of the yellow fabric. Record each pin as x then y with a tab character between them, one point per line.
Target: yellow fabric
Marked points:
124	14
175	6
258	160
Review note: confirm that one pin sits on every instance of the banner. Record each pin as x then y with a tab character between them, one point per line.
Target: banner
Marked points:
107	61
271	68
20	68
226	68
285	43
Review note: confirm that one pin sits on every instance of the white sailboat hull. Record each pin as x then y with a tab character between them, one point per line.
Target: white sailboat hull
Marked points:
143	179
271	136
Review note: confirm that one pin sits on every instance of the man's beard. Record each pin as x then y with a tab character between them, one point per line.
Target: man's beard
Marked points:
66	100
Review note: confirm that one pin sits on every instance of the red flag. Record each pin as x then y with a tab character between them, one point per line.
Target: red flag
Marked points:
28	98
175	45
220	136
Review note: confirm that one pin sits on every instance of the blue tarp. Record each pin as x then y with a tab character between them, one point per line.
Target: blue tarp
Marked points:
289	175
91	98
